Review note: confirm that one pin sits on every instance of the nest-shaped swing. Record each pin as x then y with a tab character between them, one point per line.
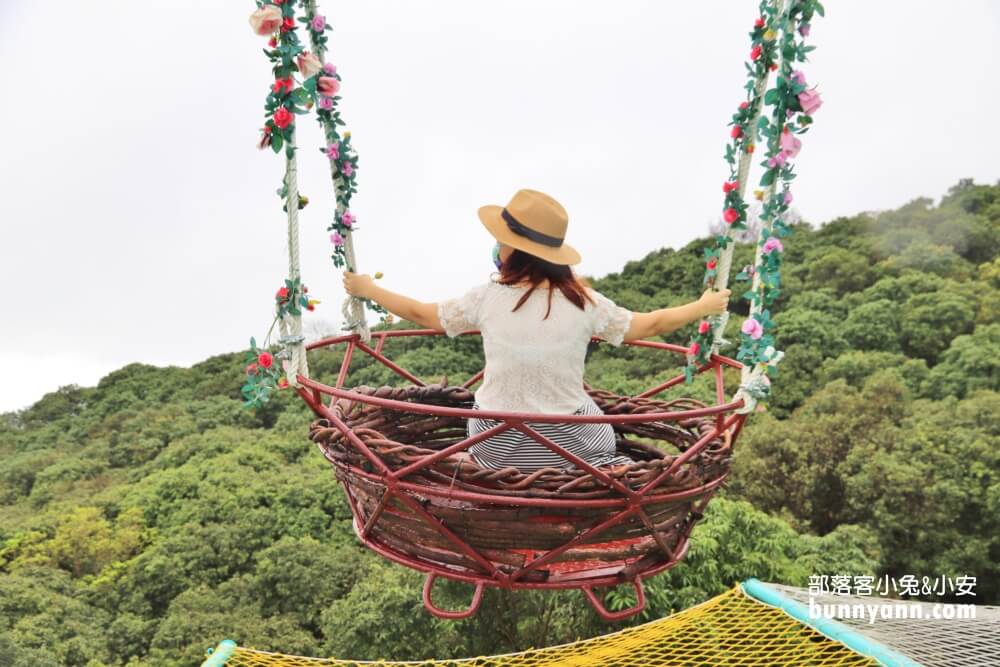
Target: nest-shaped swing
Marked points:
417	502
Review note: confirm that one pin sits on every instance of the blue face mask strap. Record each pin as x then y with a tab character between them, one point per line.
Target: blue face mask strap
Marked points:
496	256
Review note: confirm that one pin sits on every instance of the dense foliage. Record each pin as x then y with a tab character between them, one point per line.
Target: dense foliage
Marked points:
148	517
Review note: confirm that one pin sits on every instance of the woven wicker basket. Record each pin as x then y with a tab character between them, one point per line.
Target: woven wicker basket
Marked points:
503	522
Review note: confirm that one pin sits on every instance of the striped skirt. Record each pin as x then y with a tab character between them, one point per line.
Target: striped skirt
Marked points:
594	443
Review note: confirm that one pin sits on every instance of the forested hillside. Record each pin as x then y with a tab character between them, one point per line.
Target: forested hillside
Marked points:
146	518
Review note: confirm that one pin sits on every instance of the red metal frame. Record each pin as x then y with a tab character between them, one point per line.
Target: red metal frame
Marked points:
629	502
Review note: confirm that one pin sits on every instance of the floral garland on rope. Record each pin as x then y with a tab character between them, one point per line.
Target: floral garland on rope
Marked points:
319	87
338	150
743	136
286	99
789	95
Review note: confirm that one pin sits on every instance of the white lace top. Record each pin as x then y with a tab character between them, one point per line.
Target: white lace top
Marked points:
533	364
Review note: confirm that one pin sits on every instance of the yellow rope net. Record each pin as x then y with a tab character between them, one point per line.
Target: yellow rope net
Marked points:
730	629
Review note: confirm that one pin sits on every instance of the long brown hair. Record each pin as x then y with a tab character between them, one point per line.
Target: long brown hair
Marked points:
521	267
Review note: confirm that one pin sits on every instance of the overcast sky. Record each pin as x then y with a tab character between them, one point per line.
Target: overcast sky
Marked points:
140	222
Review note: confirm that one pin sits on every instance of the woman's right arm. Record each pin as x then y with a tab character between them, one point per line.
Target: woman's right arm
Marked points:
362	286
665	320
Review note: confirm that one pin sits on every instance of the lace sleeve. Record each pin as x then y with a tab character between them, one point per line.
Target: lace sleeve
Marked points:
611	322
462	313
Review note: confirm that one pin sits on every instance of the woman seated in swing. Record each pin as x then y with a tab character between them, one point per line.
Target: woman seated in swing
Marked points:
536	318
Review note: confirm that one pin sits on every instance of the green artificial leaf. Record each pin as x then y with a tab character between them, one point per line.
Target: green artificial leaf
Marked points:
767	178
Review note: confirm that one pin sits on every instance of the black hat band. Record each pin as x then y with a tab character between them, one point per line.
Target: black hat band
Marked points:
515	226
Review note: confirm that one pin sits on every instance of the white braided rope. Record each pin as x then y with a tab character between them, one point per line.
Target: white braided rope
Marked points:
753	379
353	308
291	325
742	173
726	258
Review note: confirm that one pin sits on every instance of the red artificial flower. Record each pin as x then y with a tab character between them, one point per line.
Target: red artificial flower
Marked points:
252	369
283	117
736	132
283	84
273	42
282	293
710	264
759	23
283	383
695	348
703	327
277	2
730	186
744	105
730	215
265	360
774	66
755	52
287	24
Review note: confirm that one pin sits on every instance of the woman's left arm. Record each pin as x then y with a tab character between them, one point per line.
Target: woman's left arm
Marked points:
362	286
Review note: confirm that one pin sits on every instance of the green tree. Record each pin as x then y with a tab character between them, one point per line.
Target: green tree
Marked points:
931	320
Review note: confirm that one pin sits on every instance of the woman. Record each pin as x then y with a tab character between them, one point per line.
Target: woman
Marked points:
536	320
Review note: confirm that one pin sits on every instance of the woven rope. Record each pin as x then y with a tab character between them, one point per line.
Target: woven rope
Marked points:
291	325
353	309
742	173
752	376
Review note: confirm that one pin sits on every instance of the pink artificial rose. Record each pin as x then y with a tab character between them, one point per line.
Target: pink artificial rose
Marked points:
347	219
770	245
798	76
326	103
330	68
336	239
752	328
790	144
347	169
309	64
695	348
327	86
788	197
266	20
703	327
810	101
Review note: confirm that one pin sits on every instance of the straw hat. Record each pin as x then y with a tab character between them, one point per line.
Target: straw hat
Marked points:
532	222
